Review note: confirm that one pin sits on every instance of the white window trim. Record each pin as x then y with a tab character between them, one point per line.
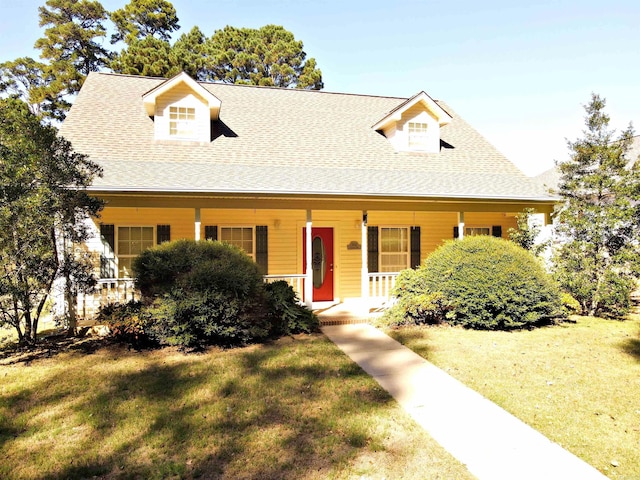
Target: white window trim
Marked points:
193	123
423	144
380	252
253	237
116	235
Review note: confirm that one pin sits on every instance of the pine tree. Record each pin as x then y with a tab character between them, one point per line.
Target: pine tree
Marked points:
269	56
599	219
144	18
149	57
70	42
192	53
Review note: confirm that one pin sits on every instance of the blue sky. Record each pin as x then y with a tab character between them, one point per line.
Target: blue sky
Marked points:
520	74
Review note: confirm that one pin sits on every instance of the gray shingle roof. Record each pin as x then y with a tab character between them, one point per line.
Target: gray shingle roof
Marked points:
282	141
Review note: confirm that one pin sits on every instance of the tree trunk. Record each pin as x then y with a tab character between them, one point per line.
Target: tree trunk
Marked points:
29	334
72	319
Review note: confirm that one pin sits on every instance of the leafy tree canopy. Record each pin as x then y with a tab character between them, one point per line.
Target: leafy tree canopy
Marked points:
43	205
598	262
30	80
191	51
70	41
268	56
72	47
144	18
150	57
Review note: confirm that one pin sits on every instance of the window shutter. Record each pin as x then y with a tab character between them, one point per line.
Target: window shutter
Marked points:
415	247
456	232
211	232
262	248
496	231
108	234
163	234
107	259
372	248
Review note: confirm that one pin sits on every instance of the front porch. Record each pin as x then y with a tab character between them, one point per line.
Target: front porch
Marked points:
122	290
357	246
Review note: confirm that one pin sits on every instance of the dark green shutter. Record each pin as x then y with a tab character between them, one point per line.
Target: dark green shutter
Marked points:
415	247
456	232
372	249
211	232
108	234
107	259
262	248
496	231
163	234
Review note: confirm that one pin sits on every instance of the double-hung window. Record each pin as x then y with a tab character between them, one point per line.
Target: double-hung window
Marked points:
132	241
394	249
182	122
418	137
241	237
473	231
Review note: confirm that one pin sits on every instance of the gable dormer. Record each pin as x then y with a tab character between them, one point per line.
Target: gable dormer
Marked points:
182	109
414	125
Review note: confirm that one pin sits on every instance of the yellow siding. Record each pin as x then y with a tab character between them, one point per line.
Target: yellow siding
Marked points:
182	220
285	232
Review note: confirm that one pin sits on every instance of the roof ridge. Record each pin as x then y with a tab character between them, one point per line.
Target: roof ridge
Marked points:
264	87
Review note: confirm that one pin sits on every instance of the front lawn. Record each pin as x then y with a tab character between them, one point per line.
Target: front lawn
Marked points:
297	408
577	383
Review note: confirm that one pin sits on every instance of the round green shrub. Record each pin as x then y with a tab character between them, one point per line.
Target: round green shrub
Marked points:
202	293
482	282
196	266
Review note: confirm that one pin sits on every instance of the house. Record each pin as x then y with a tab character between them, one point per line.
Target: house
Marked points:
368	185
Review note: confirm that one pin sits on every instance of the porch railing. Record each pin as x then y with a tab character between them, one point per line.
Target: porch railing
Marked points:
108	290
380	286
294	280
122	290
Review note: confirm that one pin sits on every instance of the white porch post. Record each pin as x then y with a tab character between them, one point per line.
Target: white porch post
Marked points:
364	291
308	283
197	225
460	225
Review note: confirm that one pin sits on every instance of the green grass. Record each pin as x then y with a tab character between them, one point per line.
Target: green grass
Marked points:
577	383
297	408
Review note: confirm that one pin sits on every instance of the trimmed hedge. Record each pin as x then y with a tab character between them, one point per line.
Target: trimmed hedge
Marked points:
479	282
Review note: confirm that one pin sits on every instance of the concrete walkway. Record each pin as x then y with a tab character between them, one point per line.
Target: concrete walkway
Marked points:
492	443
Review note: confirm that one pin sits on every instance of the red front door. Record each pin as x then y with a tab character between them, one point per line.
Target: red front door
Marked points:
321	262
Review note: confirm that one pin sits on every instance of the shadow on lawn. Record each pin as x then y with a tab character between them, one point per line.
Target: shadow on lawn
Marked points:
278	412
416	337
632	347
47	347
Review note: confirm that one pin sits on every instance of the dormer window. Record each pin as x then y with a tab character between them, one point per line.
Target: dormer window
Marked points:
418	137
414	125
182	110
182	122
